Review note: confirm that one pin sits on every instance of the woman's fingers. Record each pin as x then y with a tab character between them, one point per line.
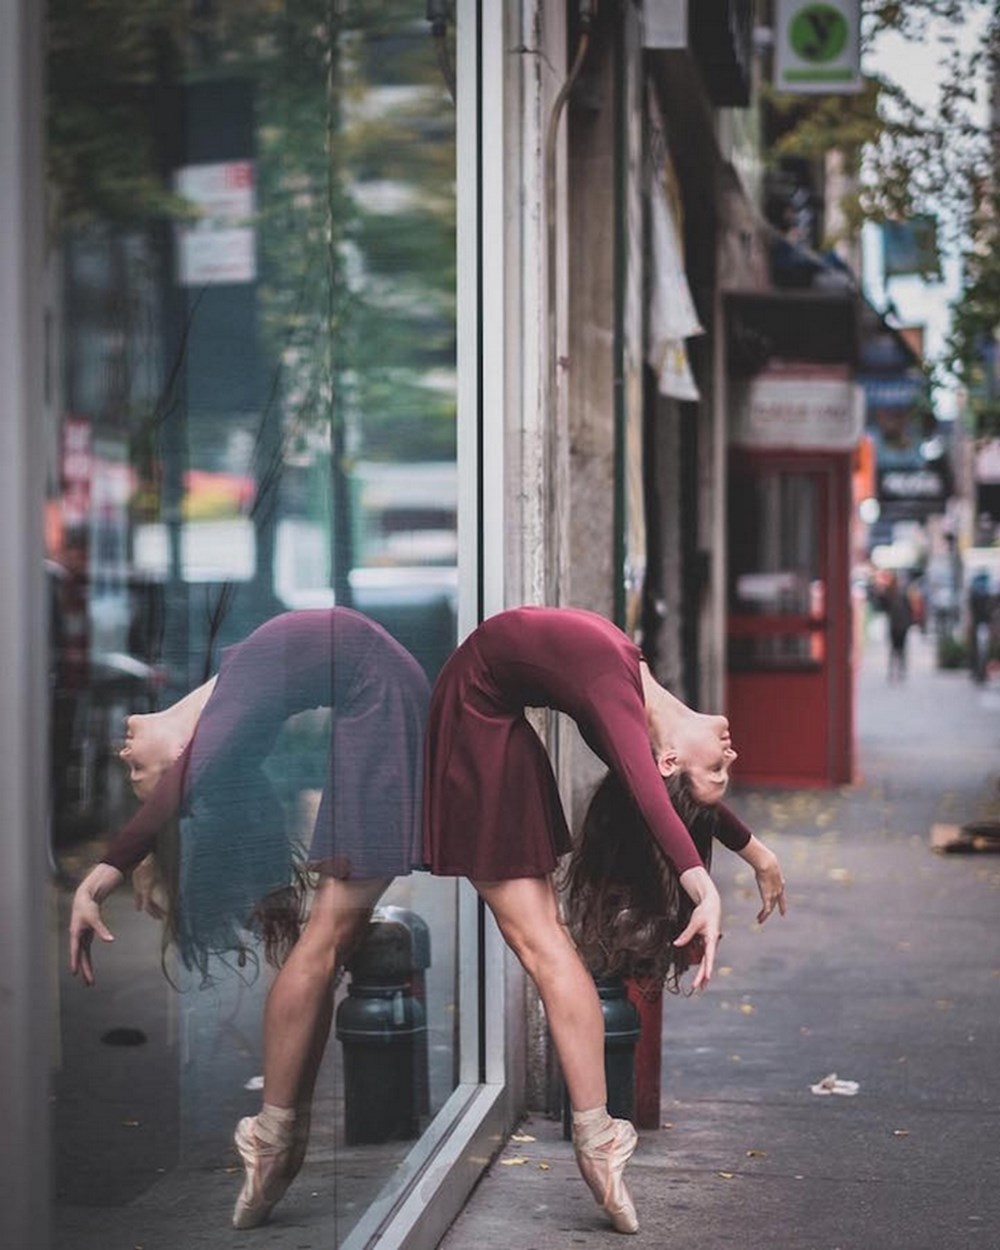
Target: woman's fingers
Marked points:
771	885
84	923
702	927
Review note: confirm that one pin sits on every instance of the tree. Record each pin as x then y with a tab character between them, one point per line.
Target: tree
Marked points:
910	160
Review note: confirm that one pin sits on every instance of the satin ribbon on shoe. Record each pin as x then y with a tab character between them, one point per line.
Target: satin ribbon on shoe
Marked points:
601	1155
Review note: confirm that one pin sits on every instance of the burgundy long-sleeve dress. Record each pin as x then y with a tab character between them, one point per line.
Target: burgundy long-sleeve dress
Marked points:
491	804
233	843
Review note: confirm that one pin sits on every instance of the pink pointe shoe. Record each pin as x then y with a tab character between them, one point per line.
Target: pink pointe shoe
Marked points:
601	1157
270	1167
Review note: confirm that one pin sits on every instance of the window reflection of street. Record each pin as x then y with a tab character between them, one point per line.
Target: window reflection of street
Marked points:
257	396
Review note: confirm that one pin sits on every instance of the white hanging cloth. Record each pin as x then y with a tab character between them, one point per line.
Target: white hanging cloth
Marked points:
672	314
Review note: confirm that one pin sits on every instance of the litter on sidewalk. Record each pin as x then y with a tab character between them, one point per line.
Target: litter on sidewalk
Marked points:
832	1084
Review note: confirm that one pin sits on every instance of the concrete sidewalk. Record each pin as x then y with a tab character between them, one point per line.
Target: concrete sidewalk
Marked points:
886	971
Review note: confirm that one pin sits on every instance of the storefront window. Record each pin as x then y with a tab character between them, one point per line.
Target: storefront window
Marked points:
777	592
253	340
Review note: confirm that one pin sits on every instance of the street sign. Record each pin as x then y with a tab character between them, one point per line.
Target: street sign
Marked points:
817	46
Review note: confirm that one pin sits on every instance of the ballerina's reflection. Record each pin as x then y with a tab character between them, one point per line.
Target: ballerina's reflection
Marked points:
198	767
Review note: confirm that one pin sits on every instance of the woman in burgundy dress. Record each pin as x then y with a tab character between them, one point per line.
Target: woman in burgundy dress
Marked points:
493	814
199	766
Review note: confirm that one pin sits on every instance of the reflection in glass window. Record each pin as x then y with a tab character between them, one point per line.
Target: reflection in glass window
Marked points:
254	307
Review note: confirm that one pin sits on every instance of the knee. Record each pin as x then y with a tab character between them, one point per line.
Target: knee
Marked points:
328	943
540	946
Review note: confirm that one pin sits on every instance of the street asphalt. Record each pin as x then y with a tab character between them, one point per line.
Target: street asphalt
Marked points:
885	971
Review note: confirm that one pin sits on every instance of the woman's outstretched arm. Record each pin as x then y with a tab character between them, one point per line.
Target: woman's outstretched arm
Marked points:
770	881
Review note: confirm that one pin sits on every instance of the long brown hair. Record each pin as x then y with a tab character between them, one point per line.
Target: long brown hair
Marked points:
275	919
623	899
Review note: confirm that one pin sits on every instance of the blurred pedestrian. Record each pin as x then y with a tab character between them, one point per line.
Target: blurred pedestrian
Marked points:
982	605
493	814
197	766
899	617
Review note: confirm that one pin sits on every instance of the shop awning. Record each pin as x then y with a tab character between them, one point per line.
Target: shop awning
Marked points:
820	327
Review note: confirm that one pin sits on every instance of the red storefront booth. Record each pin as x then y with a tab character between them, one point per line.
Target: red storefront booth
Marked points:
790	691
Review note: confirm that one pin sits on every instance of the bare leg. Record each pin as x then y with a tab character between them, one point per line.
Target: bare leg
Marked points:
528	916
300	1004
297	1020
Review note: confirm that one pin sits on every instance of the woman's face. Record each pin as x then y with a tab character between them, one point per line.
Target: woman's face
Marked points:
705	752
146	754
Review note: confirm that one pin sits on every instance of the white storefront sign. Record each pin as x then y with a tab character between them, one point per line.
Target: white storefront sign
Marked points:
817	46
805	411
665	24
988	462
220	247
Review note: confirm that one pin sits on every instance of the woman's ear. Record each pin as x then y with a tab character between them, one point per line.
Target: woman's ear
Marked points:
667	762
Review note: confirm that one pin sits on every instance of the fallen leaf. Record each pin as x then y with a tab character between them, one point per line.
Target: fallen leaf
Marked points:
747	1009
900	1132
543	1167
514	1162
522	1137
756	1154
726	1176
667	1124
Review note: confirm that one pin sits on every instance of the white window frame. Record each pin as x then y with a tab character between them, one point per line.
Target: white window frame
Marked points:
440	1171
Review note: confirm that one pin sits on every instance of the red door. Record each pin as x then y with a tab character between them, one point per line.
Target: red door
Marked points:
789	675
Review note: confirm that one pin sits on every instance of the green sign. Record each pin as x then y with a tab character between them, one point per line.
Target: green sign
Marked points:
817	45
819	33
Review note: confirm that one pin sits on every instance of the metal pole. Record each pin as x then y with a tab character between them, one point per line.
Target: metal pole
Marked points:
25	982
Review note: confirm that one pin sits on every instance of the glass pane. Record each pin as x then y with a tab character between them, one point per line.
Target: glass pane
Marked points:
254	332
775	570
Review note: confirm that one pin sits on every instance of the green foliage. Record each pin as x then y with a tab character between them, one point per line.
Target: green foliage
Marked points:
908	159
104	61
951	652
355	189
974	341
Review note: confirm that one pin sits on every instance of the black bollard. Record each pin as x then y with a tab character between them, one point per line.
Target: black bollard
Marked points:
621	1032
383	1028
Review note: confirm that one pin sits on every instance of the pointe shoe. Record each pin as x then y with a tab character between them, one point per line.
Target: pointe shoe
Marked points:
601	1158
270	1169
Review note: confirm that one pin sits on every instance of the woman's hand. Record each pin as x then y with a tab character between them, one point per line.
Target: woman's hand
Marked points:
85	918
770	882
705	925
145	884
